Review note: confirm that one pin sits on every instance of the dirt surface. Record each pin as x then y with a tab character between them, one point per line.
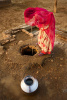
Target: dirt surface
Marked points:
12	16
51	74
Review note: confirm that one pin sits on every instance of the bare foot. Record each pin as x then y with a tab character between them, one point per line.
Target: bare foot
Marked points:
36	43
40	54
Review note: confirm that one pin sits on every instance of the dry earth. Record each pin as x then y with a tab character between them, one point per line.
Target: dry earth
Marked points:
51	75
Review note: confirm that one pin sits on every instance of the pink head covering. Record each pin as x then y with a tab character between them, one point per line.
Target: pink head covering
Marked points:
40	17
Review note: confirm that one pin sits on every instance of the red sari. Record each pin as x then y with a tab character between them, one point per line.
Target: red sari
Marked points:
46	22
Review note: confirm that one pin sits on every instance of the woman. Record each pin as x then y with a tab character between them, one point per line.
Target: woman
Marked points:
46	22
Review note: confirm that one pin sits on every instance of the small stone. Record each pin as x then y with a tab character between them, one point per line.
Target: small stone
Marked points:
20	42
51	60
14	36
12	39
37	72
60	65
61	58
55	77
7	41
6	52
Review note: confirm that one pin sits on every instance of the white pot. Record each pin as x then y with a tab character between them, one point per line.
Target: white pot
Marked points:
29	84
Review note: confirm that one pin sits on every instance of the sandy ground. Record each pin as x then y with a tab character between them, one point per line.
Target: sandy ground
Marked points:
12	15
51	75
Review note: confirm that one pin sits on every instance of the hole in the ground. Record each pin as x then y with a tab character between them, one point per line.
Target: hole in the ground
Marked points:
28	50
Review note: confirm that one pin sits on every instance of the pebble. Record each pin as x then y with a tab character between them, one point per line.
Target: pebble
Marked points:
12	39
14	36
55	77
37	72
6	52
6	41
51	60
61	58
20	42
60	65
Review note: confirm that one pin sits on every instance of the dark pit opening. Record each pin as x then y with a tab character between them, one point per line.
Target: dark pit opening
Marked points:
29	81
28	50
